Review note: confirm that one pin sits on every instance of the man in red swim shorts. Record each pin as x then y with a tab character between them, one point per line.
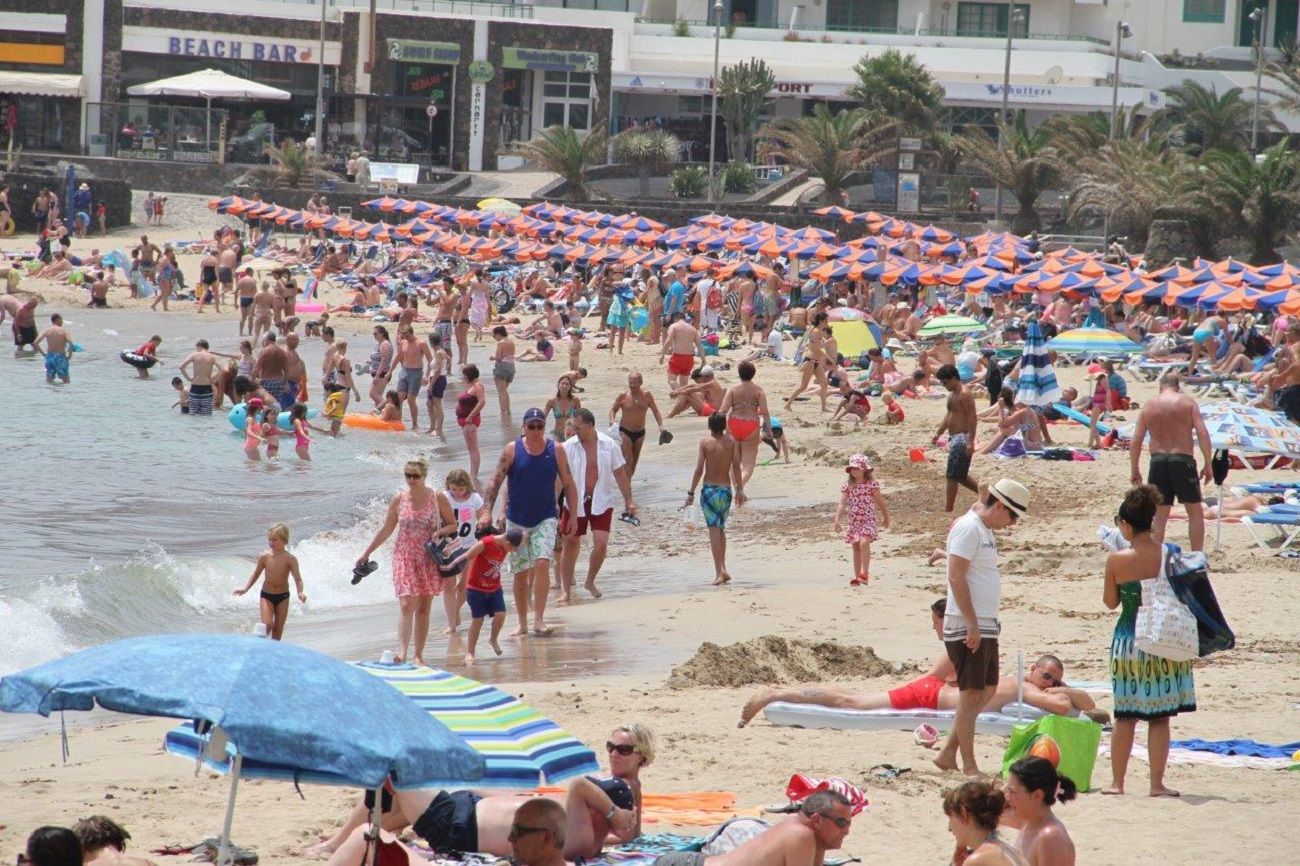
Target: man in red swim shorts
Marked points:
1043	687
682	342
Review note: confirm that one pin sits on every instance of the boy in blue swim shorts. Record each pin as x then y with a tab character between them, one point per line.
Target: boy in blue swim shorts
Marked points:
58	348
718	466
483	585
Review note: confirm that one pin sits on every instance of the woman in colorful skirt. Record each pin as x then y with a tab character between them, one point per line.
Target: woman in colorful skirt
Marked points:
1146	687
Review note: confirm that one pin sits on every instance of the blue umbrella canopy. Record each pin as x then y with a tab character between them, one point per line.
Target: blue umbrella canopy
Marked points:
275	702
1037	385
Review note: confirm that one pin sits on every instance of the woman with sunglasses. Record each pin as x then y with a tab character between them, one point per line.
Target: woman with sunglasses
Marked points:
469	409
419	514
630	748
1145	687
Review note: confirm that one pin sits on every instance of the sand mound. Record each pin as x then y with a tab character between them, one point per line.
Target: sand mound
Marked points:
772	659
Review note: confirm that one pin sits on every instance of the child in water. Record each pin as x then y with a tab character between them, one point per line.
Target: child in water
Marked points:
277	564
182	395
298	420
253	438
860	498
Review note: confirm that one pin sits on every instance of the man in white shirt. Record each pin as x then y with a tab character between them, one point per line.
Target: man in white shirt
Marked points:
970	622
596	462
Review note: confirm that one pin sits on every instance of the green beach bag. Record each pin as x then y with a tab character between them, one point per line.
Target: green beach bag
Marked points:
1074	740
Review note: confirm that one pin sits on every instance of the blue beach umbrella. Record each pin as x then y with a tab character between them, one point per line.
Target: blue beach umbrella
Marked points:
1093	342
1037	385
272	702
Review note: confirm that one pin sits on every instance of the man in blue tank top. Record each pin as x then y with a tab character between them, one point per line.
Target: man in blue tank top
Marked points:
531	464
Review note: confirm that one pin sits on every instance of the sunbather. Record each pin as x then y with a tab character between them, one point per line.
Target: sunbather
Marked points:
1043	687
103	843
464	821
822	822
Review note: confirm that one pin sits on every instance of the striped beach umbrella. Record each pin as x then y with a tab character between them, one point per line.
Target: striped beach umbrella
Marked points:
941	326
1093	342
1037	385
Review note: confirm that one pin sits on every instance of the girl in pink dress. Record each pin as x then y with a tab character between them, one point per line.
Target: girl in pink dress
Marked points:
419	514
860	499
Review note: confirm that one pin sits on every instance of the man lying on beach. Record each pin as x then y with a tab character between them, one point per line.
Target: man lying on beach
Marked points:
820	825
103	843
936	689
468	822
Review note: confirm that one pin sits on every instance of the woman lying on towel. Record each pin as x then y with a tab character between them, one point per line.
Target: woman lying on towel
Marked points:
1043	688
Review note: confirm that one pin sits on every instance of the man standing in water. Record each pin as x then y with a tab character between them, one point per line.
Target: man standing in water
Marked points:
959	421
970	621
246	290
198	368
532	464
633	404
413	354
24	326
718	466
1170	418
58	349
295	373
682	344
597	463
269	369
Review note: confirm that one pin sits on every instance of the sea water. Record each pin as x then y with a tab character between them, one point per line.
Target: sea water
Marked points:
124	517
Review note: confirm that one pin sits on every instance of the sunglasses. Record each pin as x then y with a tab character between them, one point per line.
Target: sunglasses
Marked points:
842	823
518	831
535	425
623	749
411	476
1051	680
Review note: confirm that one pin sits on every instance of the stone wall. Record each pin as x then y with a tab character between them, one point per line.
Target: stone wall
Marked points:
526	34
25	185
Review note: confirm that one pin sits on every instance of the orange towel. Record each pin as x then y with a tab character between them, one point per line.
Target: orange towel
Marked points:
695	808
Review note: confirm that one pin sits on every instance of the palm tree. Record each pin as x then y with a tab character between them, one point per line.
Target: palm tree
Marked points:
830	146
291	162
1199	120
1284	84
1127	180
559	149
649	150
1078	136
1257	200
1026	164
897	85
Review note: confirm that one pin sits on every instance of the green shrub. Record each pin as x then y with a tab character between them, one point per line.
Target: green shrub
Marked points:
736	177
689	181
681	28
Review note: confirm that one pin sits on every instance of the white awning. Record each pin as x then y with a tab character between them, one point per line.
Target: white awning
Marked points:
209	84
41	84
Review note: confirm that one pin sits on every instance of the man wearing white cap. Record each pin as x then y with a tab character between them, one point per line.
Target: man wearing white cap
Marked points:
970	622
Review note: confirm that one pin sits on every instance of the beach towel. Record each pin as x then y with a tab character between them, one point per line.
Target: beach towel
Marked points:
1190	756
689	809
1247	748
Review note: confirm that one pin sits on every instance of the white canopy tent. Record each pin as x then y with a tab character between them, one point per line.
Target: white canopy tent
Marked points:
210	84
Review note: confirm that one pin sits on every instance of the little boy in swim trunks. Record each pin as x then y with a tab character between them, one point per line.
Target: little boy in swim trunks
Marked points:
719	467
483	586
277	564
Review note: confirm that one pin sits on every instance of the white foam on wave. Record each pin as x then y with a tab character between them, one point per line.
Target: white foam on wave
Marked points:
32	635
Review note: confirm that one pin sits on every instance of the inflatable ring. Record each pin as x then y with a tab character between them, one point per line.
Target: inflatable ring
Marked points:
371	422
140	362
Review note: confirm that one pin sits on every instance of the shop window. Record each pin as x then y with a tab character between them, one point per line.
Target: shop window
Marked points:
566	100
871	15
690	105
1204	11
990	19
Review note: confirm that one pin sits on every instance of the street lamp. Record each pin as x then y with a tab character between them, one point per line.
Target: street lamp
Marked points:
1014	17
1259	15
713	113
320	86
1122	32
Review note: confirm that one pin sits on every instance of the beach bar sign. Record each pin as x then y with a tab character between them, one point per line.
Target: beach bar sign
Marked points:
546	60
226	46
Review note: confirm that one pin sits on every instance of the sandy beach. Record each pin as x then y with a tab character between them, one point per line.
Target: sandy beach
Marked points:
791	583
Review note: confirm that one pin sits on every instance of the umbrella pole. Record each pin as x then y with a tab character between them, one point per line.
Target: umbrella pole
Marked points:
224	855
376	821
207	118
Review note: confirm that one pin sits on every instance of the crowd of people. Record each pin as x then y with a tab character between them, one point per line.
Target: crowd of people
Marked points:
569	472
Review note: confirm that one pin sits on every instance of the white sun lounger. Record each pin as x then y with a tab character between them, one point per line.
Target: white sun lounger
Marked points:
813	716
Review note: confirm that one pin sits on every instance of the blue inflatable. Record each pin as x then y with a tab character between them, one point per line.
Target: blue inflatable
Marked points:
238	417
639	320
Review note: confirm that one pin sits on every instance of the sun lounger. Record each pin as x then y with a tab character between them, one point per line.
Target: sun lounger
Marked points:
1285	518
812	716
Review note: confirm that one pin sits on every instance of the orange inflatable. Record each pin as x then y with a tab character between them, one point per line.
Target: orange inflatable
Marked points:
1045	747
371	422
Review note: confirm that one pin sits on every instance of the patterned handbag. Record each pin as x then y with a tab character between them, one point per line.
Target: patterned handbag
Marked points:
1165	627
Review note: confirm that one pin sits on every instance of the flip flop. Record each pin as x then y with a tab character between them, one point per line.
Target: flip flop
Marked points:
888	771
631	519
361	571
665	436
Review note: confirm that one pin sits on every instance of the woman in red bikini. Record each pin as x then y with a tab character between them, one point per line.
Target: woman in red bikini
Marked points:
745	405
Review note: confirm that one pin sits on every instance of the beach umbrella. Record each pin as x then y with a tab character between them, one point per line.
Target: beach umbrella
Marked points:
942	326
1093	342
520	747
501	206
271	701
1037	385
1234	427
853	337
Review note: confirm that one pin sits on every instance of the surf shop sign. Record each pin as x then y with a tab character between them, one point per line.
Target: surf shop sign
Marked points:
545	60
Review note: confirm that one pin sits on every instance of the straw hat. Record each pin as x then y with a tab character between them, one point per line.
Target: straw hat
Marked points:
1012	494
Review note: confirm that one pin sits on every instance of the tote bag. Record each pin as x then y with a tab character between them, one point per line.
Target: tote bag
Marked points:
1165	627
1075	740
